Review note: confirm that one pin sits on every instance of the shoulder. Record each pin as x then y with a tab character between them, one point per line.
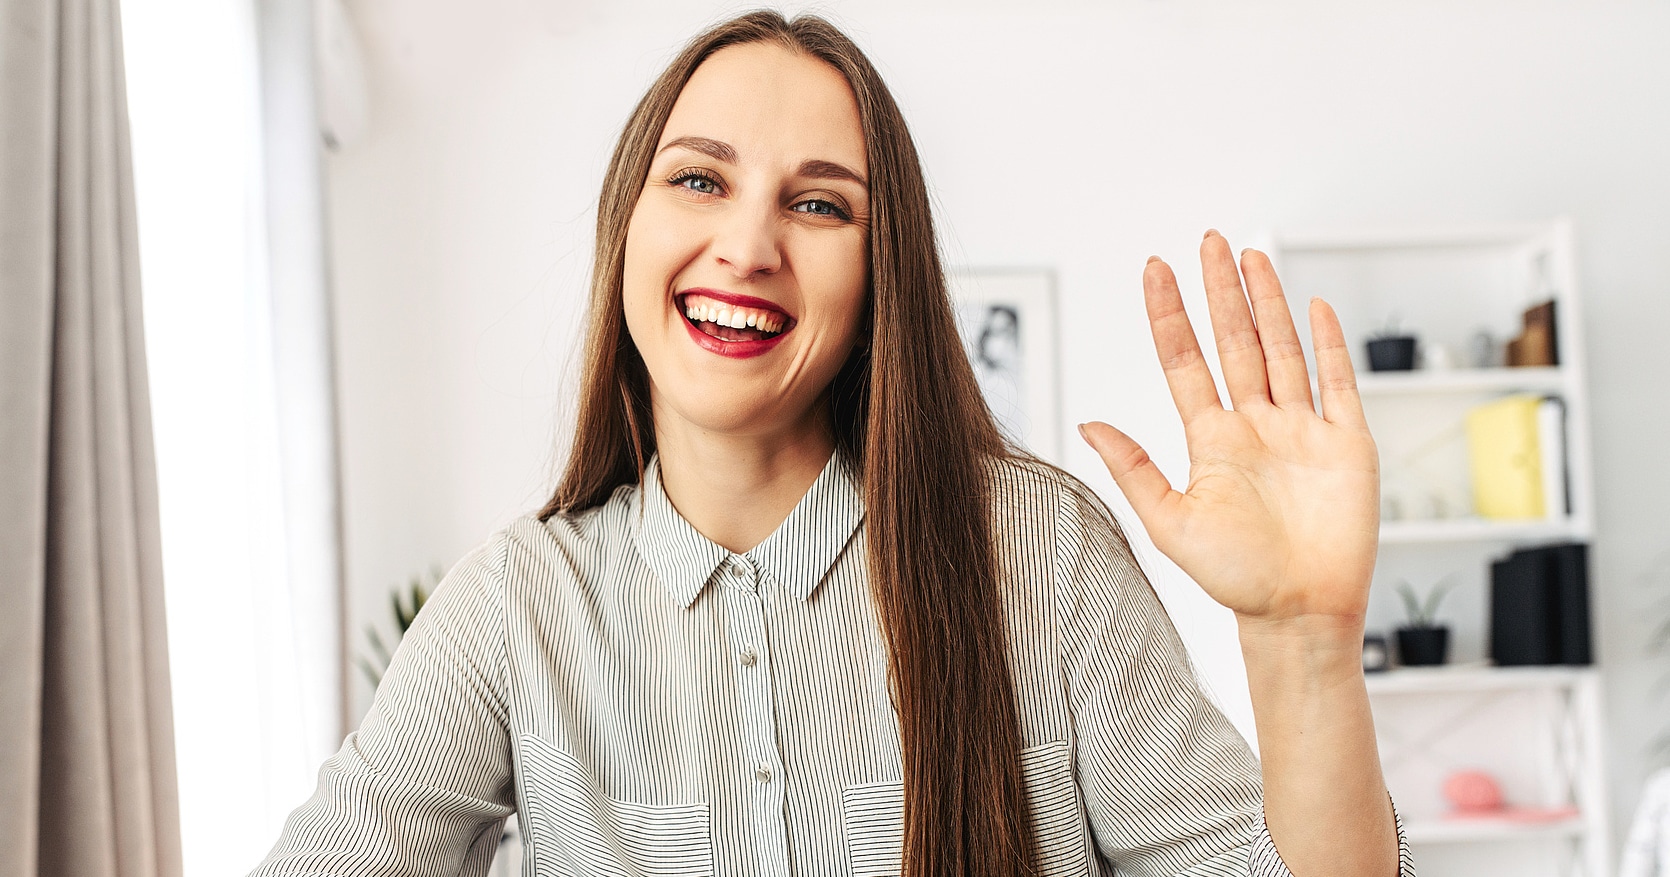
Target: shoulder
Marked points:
1042	512
539	557
1026	490
576	531
533	545
529	546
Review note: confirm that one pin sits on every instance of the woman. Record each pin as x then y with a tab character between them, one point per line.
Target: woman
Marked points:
796	607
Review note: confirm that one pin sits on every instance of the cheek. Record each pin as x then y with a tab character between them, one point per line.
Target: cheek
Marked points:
649	261
851	277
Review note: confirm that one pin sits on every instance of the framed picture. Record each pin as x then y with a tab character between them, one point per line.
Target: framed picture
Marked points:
1007	320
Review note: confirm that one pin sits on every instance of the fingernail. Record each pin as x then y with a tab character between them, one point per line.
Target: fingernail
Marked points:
1082	434
1210	232
1153	259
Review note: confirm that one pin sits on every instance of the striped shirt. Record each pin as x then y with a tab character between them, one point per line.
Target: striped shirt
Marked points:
650	703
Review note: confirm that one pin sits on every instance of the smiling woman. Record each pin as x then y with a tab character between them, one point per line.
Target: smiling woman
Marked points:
795	606
755	204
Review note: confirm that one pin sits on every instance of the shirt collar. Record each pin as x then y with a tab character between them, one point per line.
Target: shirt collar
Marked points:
797	555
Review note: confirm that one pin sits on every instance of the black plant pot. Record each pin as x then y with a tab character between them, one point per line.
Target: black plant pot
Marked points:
1395	354
1422	646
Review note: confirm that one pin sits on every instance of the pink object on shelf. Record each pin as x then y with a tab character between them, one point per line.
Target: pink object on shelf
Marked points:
1473	793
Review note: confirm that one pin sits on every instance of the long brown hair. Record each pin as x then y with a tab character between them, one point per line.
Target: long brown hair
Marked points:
905	397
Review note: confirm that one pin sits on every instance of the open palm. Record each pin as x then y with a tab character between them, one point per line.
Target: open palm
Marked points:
1280	518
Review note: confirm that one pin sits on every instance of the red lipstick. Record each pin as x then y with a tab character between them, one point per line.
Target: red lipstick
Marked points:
734	299
732	349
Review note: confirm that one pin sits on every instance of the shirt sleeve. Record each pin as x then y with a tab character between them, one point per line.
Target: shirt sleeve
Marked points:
422	789
1170	787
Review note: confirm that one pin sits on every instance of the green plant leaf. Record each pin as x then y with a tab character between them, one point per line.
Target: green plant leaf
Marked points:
408	605
401	620
372	674
1411	603
1435	597
377	646
405	603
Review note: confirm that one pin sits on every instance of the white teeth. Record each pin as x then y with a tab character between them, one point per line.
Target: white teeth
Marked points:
704	310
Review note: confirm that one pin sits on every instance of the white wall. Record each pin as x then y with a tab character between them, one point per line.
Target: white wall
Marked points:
1075	135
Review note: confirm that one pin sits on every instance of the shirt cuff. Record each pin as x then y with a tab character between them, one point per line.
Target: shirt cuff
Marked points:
1266	862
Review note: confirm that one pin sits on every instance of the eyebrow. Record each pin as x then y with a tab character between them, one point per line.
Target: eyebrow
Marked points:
718	150
817	168
814	168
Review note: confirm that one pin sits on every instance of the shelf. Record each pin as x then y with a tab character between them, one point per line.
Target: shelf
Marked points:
1536	730
1470	678
1480	530
1465	829
1334	240
1537	379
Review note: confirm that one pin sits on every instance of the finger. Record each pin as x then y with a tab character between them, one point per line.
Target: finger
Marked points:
1192	389
1239	351
1284	357
1142	482
1336	379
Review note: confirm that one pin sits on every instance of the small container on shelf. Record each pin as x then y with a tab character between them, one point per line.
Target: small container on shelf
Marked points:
1377	656
1391	353
1423	646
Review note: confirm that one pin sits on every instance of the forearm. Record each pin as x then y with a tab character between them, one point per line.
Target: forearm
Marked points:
1325	799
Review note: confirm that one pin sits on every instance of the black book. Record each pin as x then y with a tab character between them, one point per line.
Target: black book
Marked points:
1570	566
1523	609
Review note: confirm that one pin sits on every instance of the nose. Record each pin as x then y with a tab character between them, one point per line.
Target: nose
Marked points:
748	243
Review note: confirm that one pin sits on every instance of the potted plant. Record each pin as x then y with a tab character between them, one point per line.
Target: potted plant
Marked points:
1391	349
1423	642
405	604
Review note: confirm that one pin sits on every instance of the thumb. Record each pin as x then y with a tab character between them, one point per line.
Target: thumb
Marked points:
1142	482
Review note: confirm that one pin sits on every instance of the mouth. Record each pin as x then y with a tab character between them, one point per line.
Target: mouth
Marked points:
730	324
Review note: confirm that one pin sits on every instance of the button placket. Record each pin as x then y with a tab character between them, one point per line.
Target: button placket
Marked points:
758	707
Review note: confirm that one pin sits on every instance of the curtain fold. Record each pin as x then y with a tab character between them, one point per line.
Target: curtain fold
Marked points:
87	743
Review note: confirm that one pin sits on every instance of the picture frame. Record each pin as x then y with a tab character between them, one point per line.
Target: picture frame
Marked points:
1007	320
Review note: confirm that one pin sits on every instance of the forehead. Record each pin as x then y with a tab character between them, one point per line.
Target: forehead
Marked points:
773	105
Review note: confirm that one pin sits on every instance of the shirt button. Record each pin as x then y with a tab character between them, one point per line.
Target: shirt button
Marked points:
763	773
749	656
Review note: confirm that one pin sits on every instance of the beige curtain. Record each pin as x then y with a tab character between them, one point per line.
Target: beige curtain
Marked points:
87	783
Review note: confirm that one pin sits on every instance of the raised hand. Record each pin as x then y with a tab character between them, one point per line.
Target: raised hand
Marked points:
1280	519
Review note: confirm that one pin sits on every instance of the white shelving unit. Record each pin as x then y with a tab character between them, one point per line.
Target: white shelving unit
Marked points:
1535	730
1444	286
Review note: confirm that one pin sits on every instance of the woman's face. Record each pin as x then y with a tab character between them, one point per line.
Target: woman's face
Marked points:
746	257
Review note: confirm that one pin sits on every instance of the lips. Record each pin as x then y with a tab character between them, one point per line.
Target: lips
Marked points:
732	325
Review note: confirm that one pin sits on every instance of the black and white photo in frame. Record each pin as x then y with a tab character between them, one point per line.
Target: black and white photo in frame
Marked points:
1007	321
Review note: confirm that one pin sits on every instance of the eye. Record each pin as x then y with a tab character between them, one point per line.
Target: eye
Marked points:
821	207
700	182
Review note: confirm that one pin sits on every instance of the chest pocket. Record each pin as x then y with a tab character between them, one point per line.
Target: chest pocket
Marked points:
572	829
872	818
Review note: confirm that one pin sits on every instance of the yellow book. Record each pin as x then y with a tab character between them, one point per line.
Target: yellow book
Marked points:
1506	458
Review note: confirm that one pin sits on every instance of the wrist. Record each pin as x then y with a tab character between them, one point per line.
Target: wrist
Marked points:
1319	646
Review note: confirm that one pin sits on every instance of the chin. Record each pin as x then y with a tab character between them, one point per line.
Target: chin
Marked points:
731	411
